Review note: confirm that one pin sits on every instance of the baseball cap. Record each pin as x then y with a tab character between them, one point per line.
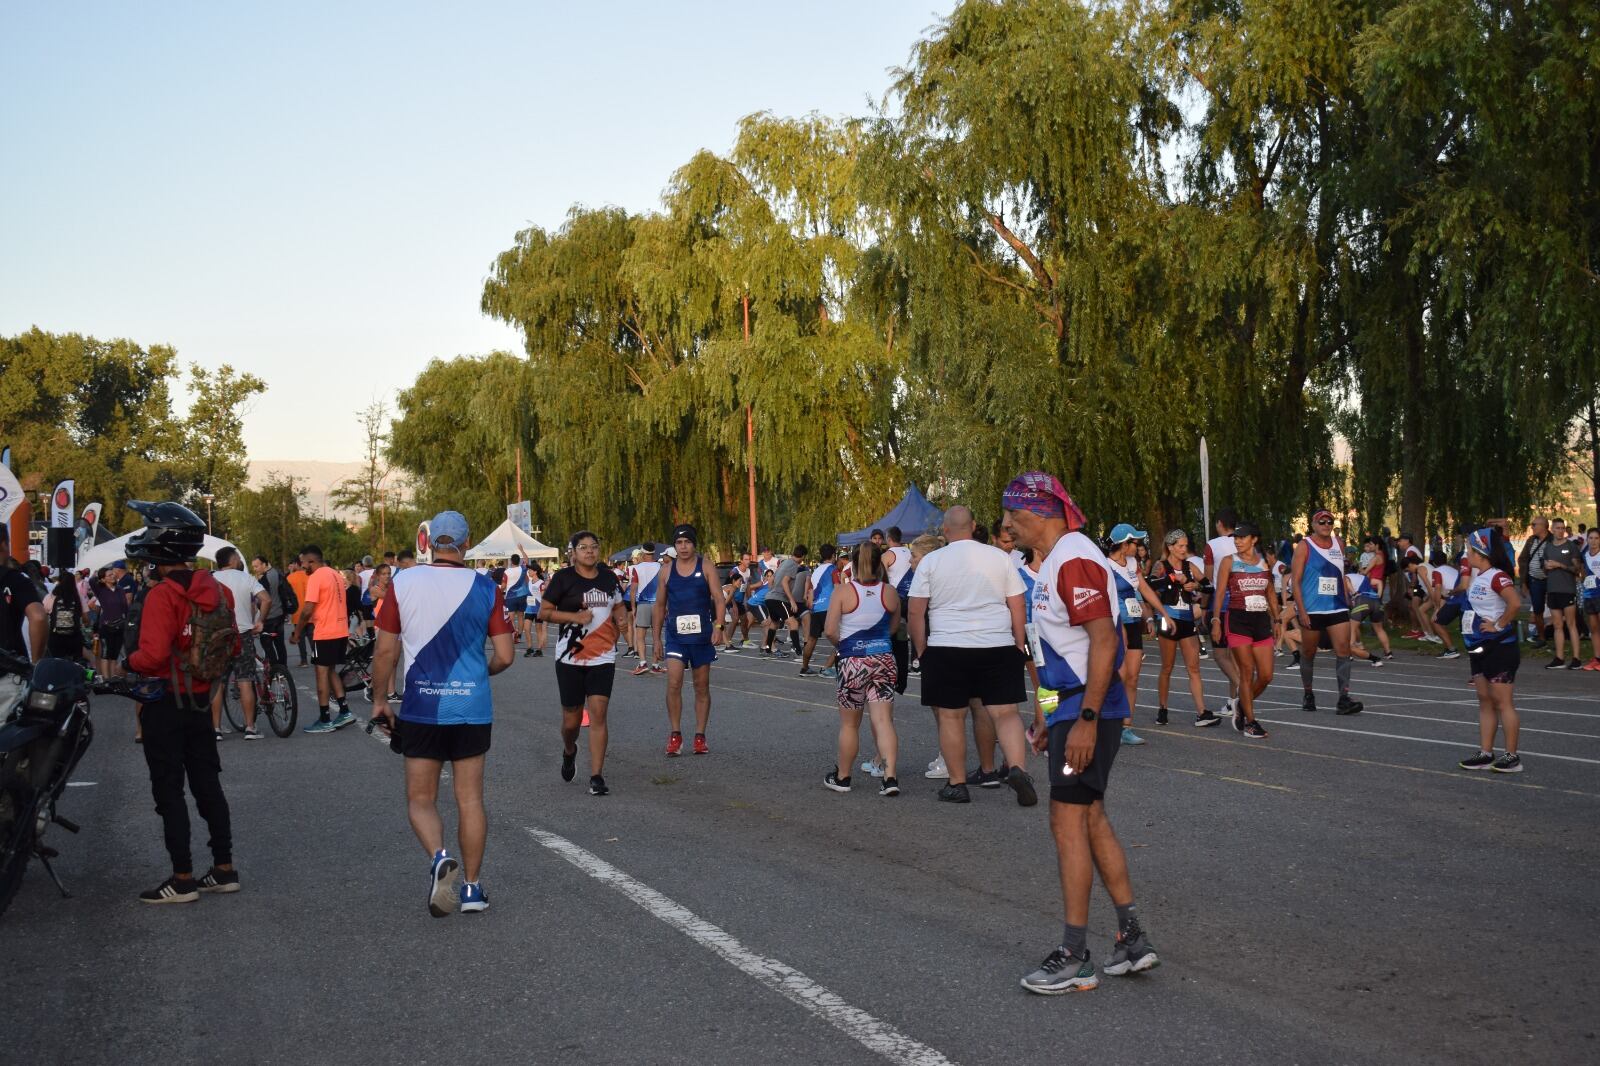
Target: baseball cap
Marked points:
1125	532
1247	529
448	530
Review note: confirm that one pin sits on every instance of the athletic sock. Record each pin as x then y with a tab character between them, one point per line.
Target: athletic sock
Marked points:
1308	670
1075	938
322	715
1127	920
794	638
343	706
1341	670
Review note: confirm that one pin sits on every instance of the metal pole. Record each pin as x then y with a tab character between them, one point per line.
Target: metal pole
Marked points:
750	439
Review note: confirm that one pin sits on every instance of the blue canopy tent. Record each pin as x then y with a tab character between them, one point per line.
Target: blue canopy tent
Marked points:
913	514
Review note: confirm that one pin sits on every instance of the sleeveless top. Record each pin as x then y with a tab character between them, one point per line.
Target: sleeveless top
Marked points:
1591	580
865	630
1322	589
688	605
1168	587
1480	621
1130	605
1247	586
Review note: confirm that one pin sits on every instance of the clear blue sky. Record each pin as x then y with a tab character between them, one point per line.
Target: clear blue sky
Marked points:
314	192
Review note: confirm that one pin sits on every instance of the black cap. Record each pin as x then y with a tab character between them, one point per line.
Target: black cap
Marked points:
1247	529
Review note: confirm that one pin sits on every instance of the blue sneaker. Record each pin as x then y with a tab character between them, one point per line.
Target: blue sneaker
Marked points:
1131	738
473	901
343	718
319	726
443	895
828	671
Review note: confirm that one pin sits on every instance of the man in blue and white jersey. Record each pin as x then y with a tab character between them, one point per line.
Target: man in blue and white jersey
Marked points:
437	616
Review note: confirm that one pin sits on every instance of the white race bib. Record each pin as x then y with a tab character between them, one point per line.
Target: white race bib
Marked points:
1255	603
1469	622
1133	607
1591	583
688	625
1327	586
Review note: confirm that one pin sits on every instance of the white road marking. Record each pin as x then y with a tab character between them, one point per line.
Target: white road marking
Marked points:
82	784
870	1032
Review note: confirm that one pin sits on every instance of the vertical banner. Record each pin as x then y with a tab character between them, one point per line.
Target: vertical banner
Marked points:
424	544
1205	490
521	515
61	505
88	526
14	509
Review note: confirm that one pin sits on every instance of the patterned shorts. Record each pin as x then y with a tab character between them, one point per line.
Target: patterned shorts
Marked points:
869	679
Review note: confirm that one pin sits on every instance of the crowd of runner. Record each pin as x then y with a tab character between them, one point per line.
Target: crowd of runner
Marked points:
1026	634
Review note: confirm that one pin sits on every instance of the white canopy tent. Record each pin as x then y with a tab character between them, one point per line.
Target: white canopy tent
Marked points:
508	540
98	555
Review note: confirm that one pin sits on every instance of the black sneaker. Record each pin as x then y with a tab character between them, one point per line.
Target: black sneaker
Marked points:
1574	664
1062	972
1555	664
954	794
538	653
1309	703
569	764
527	653
1161	716
1294	661
1347	706
1481	761
173	890
597	786
1205	718
890	787
1021	782
1254	731
1509	763
1238	717
831	780
220	881
985	779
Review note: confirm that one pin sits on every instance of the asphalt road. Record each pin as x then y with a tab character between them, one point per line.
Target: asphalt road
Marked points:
1338	893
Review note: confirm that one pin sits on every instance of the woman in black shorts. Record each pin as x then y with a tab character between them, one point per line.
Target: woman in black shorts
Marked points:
1175	578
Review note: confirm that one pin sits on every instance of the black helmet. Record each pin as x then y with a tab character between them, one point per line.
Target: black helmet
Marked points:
172	533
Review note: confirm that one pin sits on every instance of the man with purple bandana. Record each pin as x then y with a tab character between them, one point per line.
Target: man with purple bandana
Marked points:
1077	649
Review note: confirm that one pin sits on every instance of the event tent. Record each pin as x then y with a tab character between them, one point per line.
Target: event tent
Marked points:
508	540
108	552
913	514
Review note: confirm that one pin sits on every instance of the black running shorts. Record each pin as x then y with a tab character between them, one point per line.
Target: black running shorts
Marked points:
329	652
819	621
1328	621
1496	663
1084	788
1560	601
777	612
577	683
1133	636
1183	629
442	743
953	677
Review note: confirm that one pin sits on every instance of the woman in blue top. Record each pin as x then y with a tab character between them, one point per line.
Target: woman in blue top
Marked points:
1137	606
690	609
861	616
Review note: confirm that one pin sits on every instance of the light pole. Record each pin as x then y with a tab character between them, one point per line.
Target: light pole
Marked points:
208	498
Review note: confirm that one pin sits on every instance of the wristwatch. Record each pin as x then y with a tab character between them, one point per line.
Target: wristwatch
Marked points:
1088	714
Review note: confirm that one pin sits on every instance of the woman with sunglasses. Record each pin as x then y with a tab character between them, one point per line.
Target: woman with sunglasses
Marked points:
1322	605
1250	603
1176	578
1133	594
1489	629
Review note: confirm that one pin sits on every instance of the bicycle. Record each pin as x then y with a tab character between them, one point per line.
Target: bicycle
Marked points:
276	696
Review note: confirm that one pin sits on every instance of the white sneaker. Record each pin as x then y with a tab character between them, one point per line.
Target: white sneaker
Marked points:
937	769
872	767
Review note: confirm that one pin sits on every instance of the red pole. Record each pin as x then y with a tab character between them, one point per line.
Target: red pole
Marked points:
750	439
519	472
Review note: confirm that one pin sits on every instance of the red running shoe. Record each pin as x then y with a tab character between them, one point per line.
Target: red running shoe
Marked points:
675	744
1592	664
700	744
1414	635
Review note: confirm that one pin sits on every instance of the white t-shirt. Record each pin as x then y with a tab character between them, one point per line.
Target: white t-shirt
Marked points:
966	584
1218	549
365	577
244	588
897	560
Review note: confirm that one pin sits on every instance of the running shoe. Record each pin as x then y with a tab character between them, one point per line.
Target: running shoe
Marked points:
1509	763
393	697
444	894
1555	664
731	649
597	786
1294	661
1021	782
1374	660
872	767
915	668
1451	653
252	734
1130	738
937	770
173	890
1132	955
1434	638
954	794
527	653
657	668
640	670
1205	718
1309	703
1161	716
833	782
985	779
538	653
890	787
1062	972
569	764
1277	653
1592	664
1481	761
343	718
1348	706
218	733
1574	664
219	882
1230	706
828	671
1238	718
675	744
1415	634
700	744
806	671
1254	731
321	725
473	901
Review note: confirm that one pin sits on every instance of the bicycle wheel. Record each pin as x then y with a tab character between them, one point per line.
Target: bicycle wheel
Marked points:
231	703
282	700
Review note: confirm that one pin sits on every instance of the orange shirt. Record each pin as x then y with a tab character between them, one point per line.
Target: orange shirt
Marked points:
297	580
328	620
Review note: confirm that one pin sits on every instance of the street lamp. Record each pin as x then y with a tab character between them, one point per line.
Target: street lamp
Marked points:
208	498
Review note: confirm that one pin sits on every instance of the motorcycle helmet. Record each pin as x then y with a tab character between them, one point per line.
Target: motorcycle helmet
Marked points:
172	533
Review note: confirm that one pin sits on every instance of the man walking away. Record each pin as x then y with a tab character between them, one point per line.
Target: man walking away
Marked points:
249	608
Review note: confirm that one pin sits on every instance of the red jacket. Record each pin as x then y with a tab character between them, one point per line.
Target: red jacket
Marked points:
164	622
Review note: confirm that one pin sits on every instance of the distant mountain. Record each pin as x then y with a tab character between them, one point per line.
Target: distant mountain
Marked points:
316	476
